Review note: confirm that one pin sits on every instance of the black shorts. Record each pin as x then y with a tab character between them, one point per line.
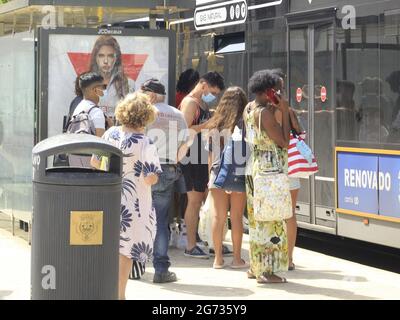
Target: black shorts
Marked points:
196	177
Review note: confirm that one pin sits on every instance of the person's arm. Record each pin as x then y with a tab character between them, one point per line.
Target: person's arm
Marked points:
185	138
99	121
109	122
182	151
184	148
279	134
199	127
151	179
295	124
151	164
100	132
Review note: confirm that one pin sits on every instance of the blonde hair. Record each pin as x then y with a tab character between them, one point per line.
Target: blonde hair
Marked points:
136	111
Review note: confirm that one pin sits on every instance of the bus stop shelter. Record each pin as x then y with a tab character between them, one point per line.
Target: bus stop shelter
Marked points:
25	70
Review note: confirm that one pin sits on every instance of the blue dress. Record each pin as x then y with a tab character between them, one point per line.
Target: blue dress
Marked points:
138	219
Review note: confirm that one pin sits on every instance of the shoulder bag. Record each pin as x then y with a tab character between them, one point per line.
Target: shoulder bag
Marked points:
272	200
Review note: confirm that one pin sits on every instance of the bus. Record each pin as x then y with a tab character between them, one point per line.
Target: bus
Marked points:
342	66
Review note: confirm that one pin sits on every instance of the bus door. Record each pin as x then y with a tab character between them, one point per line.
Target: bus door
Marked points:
311	91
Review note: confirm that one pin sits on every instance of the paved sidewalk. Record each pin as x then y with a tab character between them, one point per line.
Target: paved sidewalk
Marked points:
316	276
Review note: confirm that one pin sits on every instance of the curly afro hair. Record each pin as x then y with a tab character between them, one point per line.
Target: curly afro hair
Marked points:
263	80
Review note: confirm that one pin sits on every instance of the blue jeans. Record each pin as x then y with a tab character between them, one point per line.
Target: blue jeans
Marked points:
162	196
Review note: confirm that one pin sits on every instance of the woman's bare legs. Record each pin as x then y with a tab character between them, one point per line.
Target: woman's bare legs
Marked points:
125	267
194	203
219	210
292	227
238	203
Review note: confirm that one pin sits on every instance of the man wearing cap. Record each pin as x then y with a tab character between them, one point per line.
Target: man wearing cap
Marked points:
170	134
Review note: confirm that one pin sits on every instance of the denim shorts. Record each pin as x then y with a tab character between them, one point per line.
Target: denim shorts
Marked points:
236	184
294	183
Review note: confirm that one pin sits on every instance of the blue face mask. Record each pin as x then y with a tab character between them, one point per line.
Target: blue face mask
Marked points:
208	98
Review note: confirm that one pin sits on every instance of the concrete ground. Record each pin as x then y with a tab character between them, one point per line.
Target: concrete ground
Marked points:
317	276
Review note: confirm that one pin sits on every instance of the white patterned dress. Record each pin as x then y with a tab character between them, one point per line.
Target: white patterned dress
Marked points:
138	219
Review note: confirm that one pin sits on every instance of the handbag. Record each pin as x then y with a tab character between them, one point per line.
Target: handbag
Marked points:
231	174
272	200
301	160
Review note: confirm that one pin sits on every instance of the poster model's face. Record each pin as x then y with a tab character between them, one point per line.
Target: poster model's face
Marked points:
125	62
105	59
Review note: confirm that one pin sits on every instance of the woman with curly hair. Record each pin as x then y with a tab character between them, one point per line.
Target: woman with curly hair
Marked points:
268	140
140	171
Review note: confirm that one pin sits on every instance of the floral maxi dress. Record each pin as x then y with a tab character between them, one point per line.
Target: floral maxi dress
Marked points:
138	219
268	240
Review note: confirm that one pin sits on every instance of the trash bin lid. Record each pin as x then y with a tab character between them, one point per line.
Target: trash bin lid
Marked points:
69	143
76	144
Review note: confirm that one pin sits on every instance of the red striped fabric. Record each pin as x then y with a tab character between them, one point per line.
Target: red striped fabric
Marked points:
294	162
298	166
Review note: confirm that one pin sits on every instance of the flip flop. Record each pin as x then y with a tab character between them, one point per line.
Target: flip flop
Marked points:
219	266
245	265
292	267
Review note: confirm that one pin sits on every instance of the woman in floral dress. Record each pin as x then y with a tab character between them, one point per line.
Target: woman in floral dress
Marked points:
268	240
141	168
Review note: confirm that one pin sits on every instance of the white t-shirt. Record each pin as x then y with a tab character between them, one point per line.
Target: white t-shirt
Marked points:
168	132
96	114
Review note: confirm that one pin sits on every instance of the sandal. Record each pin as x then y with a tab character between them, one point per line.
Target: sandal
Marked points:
244	265
292	267
219	266
264	280
250	275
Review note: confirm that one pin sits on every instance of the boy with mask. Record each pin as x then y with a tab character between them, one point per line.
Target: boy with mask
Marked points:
92	87
196	113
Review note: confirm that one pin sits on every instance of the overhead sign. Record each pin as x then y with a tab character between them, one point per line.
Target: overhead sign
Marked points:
220	14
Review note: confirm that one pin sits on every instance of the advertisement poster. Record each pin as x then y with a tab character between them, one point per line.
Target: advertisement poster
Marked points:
125	62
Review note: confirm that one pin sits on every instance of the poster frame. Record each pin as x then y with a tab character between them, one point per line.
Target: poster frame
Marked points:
43	61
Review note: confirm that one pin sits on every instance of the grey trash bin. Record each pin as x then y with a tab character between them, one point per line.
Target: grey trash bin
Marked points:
76	221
